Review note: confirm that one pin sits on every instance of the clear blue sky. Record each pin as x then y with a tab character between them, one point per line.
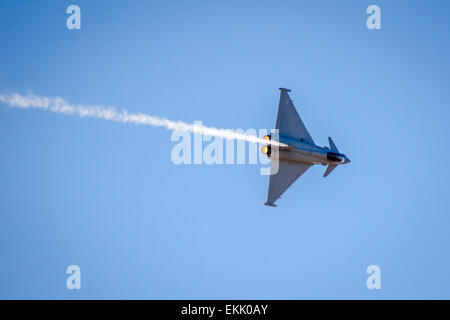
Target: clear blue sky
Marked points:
107	197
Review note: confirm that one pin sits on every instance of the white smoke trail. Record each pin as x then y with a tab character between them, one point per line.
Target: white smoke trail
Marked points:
59	105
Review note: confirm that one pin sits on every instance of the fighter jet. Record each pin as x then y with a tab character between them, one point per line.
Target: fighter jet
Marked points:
295	150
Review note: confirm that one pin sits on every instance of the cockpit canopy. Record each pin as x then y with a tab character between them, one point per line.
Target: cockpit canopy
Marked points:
336	157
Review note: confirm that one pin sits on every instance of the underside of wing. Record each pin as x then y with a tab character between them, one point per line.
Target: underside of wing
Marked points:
289	122
287	173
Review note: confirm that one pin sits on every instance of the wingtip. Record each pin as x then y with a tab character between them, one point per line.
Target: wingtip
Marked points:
269	204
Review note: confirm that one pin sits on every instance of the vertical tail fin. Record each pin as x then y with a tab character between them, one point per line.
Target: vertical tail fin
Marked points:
332	145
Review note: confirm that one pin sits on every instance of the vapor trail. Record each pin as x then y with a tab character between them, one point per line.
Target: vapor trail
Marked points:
59	105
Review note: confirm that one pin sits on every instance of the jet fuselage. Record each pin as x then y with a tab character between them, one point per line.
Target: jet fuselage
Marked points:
294	151
302	152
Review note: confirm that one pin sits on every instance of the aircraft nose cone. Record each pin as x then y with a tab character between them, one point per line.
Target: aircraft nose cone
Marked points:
347	160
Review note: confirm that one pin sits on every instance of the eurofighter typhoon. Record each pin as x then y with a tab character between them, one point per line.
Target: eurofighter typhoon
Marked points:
295	151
